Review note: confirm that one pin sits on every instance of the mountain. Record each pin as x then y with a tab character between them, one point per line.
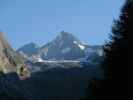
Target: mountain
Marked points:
64	47
29	50
9	59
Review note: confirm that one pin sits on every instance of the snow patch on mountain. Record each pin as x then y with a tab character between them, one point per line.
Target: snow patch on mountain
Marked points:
39	59
36	58
82	47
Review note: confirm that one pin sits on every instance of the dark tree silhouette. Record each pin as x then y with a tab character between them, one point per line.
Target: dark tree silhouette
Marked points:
118	60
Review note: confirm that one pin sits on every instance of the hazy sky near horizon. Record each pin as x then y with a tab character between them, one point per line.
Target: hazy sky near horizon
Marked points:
40	21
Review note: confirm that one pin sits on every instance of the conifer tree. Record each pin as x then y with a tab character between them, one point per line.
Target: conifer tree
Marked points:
118	60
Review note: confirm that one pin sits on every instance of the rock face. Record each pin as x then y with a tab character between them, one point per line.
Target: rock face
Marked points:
9	59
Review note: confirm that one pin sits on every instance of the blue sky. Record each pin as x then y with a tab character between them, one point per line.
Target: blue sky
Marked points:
40	21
